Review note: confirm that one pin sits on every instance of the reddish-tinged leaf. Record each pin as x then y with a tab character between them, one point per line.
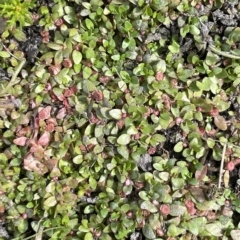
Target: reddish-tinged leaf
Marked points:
66	103
53	96
159	76
21	141
39	153
220	122
198	194
50	127
32	164
44	139
51	163
58	93
32	104
36	148
73	89
23	131
67	93
24	119
52	120
36	122
45	113
61	113
200	174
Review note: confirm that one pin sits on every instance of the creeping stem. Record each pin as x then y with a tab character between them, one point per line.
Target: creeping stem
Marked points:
221	53
14	78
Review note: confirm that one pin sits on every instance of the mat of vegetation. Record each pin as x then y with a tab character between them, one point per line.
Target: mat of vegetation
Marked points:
119	119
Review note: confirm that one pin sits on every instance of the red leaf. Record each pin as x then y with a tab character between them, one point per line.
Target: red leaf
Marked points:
51	163
201	174
30	163
45	113
50	127
53	96
159	76
21	141
52	120
74	89
24	131
220	122
67	93
44	139
65	103
61	113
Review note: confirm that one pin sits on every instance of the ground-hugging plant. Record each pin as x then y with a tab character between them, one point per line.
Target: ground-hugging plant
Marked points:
122	125
17	12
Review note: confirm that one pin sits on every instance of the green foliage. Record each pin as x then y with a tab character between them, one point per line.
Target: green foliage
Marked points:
17	12
123	119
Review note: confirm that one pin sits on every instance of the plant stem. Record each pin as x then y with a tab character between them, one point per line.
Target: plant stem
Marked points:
221	166
34	235
221	53
14	79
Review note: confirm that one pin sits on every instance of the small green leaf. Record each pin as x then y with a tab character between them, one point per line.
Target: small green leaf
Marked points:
92	183
214	229
132	130
88	86
156	139
116	57
90	53
174	48
125	43
149	206
104	212
116	113
164	176
210	142
143	195
87	72
77	57
122	150
177	183
158	166
44	10
124	139
78	159
178	147
22	225
88	236
88	209
55	46
50	202
194	30
160	66
177	210
148	231
205	84
83	229
19	35
174	231
184	30
4	54
89	24
84	12
235	234
127	26
211	59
